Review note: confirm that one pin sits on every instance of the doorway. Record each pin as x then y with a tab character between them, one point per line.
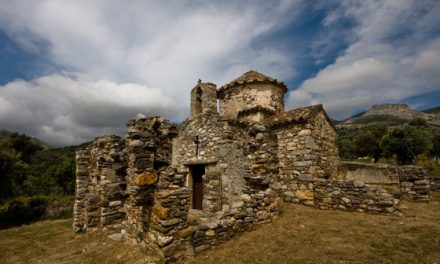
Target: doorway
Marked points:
197	172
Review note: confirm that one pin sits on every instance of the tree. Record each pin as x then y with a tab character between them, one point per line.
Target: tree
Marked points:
65	175
24	145
418	122
345	144
368	138
12	172
406	142
435	151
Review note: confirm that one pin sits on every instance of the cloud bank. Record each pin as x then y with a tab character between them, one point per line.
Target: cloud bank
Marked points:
394	53
113	59
65	110
152	51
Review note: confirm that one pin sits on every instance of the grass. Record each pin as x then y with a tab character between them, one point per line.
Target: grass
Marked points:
300	235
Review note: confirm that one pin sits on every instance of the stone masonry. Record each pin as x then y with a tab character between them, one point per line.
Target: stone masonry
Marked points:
176	190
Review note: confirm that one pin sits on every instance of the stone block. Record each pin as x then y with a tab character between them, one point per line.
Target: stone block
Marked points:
187	232
210	233
304	194
161	212
170	222
144	163
327	200
145	179
346	200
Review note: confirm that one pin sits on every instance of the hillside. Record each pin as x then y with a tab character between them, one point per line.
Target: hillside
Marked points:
392	114
434	110
31	167
299	235
4	134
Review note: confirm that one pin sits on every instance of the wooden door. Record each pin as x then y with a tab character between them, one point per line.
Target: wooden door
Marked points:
197	172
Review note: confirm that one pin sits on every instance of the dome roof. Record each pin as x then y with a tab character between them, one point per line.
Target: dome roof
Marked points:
252	77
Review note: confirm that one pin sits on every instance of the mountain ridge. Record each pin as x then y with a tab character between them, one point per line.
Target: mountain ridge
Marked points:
393	114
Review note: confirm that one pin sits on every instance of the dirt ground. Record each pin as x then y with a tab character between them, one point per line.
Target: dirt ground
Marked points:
300	235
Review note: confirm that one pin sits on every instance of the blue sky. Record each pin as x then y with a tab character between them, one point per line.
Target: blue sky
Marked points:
73	70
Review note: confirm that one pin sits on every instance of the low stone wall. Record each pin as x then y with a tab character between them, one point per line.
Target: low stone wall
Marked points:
380	174
435	183
411	182
353	196
216	228
342	195
414	183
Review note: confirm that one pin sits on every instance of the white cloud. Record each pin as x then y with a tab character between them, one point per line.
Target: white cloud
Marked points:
138	45
393	54
66	110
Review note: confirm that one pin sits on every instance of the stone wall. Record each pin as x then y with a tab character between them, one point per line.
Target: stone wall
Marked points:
414	183
81	190
341	195
380	174
149	147
250	95
410	182
100	185
435	183
203	98
353	196
212	141
159	214
305	152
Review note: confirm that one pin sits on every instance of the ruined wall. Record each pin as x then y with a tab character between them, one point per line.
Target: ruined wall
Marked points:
251	95
414	183
100	185
81	190
353	196
210	140
203	98
149	146
341	195
381	174
410	181
306	151
434	183
159	217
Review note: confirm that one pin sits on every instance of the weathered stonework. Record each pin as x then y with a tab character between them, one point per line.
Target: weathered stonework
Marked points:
410	182
100	185
176	190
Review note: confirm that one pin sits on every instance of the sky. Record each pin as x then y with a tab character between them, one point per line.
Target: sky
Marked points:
74	70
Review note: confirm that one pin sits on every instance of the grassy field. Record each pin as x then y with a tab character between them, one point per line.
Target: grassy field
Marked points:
299	235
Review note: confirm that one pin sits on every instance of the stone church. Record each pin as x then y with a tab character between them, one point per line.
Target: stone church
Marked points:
251	140
175	190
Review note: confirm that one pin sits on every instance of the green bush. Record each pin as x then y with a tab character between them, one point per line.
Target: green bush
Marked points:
25	210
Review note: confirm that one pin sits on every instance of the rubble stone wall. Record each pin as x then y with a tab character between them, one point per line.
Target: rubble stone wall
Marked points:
203	98
100	185
213	142
149	147
81	190
159	214
414	183
411	181
305	152
381	174
251	95
353	196
435	183
341	195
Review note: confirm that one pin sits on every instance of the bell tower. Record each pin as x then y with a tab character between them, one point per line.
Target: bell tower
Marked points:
203	98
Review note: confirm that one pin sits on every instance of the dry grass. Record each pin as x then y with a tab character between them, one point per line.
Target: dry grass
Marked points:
54	242
300	235
307	235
